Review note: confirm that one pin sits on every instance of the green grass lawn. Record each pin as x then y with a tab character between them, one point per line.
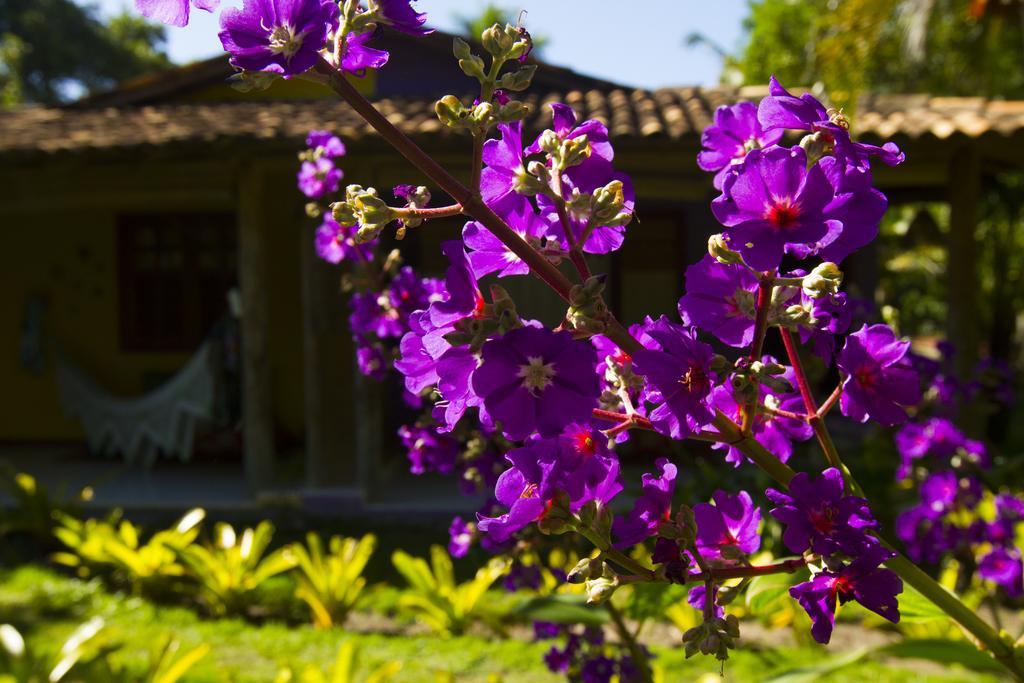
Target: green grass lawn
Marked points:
47	607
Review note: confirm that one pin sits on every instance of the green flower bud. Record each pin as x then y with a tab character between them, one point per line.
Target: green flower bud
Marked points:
573	152
342	213
599	590
513	111
557	519
587	569
607	203
498	40
314	210
450	111
518	80
823	281
816	146
718	247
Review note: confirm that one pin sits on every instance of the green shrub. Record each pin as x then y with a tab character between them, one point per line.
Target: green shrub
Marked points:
331	581
434	598
231	569
150	568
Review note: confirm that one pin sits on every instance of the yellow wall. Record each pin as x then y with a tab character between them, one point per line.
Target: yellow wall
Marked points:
58	226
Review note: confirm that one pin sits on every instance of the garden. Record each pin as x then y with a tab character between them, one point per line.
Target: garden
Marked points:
782	480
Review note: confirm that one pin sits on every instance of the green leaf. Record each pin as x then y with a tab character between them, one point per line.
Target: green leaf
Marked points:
651	600
943	651
915	608
766	592
563	609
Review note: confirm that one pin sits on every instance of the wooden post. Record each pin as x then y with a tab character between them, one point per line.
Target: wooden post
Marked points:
257	399
963	320
330	396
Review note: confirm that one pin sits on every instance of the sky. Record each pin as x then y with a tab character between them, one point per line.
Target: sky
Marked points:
607	38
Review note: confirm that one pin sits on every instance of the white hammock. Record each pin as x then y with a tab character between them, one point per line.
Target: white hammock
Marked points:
139	429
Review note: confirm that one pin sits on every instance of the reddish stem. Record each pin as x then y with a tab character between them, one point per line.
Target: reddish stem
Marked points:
765	286
798	371
429	213
726	573
831	400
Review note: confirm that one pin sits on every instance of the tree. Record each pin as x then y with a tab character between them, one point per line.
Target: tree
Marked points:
943	47
50	50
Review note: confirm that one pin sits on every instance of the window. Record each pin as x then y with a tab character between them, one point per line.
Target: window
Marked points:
174	273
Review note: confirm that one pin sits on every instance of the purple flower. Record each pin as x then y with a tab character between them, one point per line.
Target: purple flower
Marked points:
856	212
462	298
735	132
489	254
819	516
579	466
455	371
679	378
782	110
546	630
326	143
721	299
774	432
730	523
336	243
937	437
357	56
863	580
598	669
773	201
536	380
653	507
280	36
428	450
420	349
879	380
595	171
371	361
172	12
1009	507
460	538
557	660
697	599
503	161
318	178
400	15
1003	567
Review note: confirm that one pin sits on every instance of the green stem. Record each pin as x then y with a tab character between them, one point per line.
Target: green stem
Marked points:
635	651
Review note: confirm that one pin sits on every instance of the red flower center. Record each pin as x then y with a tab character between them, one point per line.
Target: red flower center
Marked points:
866	376
584	443
783	213
824	519
478	307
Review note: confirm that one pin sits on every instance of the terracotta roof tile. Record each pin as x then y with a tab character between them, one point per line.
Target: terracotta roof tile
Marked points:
673	113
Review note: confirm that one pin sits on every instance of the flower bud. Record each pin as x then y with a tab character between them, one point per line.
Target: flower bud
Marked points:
557	519
513	111
823	281
518	80
499	40
607	203
252	81
599	590
815	146
587	569
450	111
573	152
719	249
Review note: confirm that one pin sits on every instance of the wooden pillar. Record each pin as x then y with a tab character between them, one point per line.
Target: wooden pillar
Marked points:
963	320
330	460
253	276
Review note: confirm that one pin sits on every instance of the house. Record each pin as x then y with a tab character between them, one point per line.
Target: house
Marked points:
130	214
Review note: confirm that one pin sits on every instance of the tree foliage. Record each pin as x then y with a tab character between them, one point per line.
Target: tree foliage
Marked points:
943	47
51	50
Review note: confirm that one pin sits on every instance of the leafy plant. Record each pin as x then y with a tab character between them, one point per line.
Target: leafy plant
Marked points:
446	607
343	671
234	566
331	581
83	654
150	568
85	657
